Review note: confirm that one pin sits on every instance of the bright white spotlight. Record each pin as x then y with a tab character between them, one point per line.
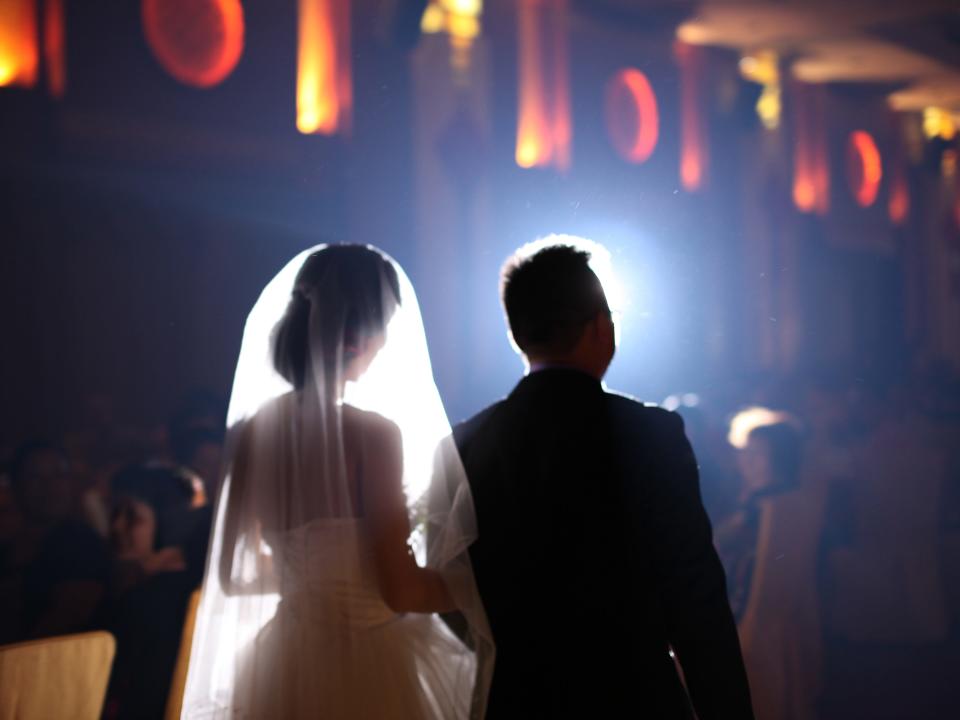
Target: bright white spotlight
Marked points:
600	262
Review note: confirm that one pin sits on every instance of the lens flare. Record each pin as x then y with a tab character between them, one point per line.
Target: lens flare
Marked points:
751	418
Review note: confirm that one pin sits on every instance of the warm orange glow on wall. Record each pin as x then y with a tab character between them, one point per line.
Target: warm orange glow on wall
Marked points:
544	129
865	168
324	81
693	134
811	166
898	206
54	47
633	120
898	201
199	42
18	42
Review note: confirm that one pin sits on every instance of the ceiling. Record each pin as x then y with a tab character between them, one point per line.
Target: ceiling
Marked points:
909	48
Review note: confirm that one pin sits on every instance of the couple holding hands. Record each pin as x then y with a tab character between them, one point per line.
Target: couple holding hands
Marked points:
550	557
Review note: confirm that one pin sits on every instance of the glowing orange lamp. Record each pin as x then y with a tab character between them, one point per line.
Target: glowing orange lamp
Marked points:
18	43
633	120
865	168
811	166
324	80
544	128
199	42
693	136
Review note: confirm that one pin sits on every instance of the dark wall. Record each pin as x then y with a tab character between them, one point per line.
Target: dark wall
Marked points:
140	217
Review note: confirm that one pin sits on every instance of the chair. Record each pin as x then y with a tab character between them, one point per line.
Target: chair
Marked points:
179	682
62	677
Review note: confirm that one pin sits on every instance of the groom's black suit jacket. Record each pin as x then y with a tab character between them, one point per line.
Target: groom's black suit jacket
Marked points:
595	557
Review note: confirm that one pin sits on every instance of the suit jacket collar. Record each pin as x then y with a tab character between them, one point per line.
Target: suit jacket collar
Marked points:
557	379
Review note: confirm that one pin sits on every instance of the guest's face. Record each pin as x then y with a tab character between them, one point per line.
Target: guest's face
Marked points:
206	462
133	529
46	487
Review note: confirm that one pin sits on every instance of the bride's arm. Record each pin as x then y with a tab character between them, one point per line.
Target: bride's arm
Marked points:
233	520
404	585
231	515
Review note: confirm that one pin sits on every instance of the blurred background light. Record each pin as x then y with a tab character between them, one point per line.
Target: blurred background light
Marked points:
762	67
199	42
18	43
324	78
865	167
544	128
633	119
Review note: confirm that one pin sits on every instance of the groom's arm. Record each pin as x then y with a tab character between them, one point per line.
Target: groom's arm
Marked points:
439	491
691	581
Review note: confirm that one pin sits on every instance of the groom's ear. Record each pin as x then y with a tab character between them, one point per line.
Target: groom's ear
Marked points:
602	328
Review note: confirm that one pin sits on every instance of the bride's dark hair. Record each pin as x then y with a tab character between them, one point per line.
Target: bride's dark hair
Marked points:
355	290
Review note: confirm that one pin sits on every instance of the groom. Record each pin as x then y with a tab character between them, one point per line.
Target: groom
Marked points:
594	558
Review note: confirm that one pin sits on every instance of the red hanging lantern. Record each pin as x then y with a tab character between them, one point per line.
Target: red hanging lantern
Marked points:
199	42
633	120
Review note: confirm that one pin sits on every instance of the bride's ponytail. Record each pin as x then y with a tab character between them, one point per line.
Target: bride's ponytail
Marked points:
355	290
291	338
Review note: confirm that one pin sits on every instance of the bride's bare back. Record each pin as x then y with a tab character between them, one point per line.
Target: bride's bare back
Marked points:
372	479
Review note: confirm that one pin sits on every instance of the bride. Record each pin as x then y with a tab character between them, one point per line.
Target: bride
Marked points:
314	604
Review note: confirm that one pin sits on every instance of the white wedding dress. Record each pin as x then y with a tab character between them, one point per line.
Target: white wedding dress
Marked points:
291	624
335	650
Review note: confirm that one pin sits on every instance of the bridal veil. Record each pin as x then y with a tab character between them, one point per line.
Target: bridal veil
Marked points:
290	623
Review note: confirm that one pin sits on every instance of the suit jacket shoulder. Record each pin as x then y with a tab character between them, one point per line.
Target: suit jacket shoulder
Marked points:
463	432
628	414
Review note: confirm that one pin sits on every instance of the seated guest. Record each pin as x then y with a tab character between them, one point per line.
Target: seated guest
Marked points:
199	449
159	535
54	568
159	522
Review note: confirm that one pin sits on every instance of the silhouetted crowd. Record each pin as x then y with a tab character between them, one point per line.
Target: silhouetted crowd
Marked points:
837	518
107	528
836	512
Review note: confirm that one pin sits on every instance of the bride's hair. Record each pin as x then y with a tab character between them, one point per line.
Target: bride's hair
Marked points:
354	291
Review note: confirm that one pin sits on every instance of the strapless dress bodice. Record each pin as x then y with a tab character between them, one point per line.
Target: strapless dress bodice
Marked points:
326	575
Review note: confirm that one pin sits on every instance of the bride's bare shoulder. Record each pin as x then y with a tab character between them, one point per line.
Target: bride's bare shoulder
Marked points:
272	410
370	424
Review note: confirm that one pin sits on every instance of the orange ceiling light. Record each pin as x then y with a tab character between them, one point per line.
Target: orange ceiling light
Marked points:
199	42
54	47
544	128
693	134
633	119
324	77
865	167
18	43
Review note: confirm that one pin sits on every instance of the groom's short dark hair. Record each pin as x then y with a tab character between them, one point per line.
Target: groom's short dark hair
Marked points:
549	296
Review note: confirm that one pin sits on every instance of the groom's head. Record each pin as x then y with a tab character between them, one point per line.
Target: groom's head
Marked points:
556	309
